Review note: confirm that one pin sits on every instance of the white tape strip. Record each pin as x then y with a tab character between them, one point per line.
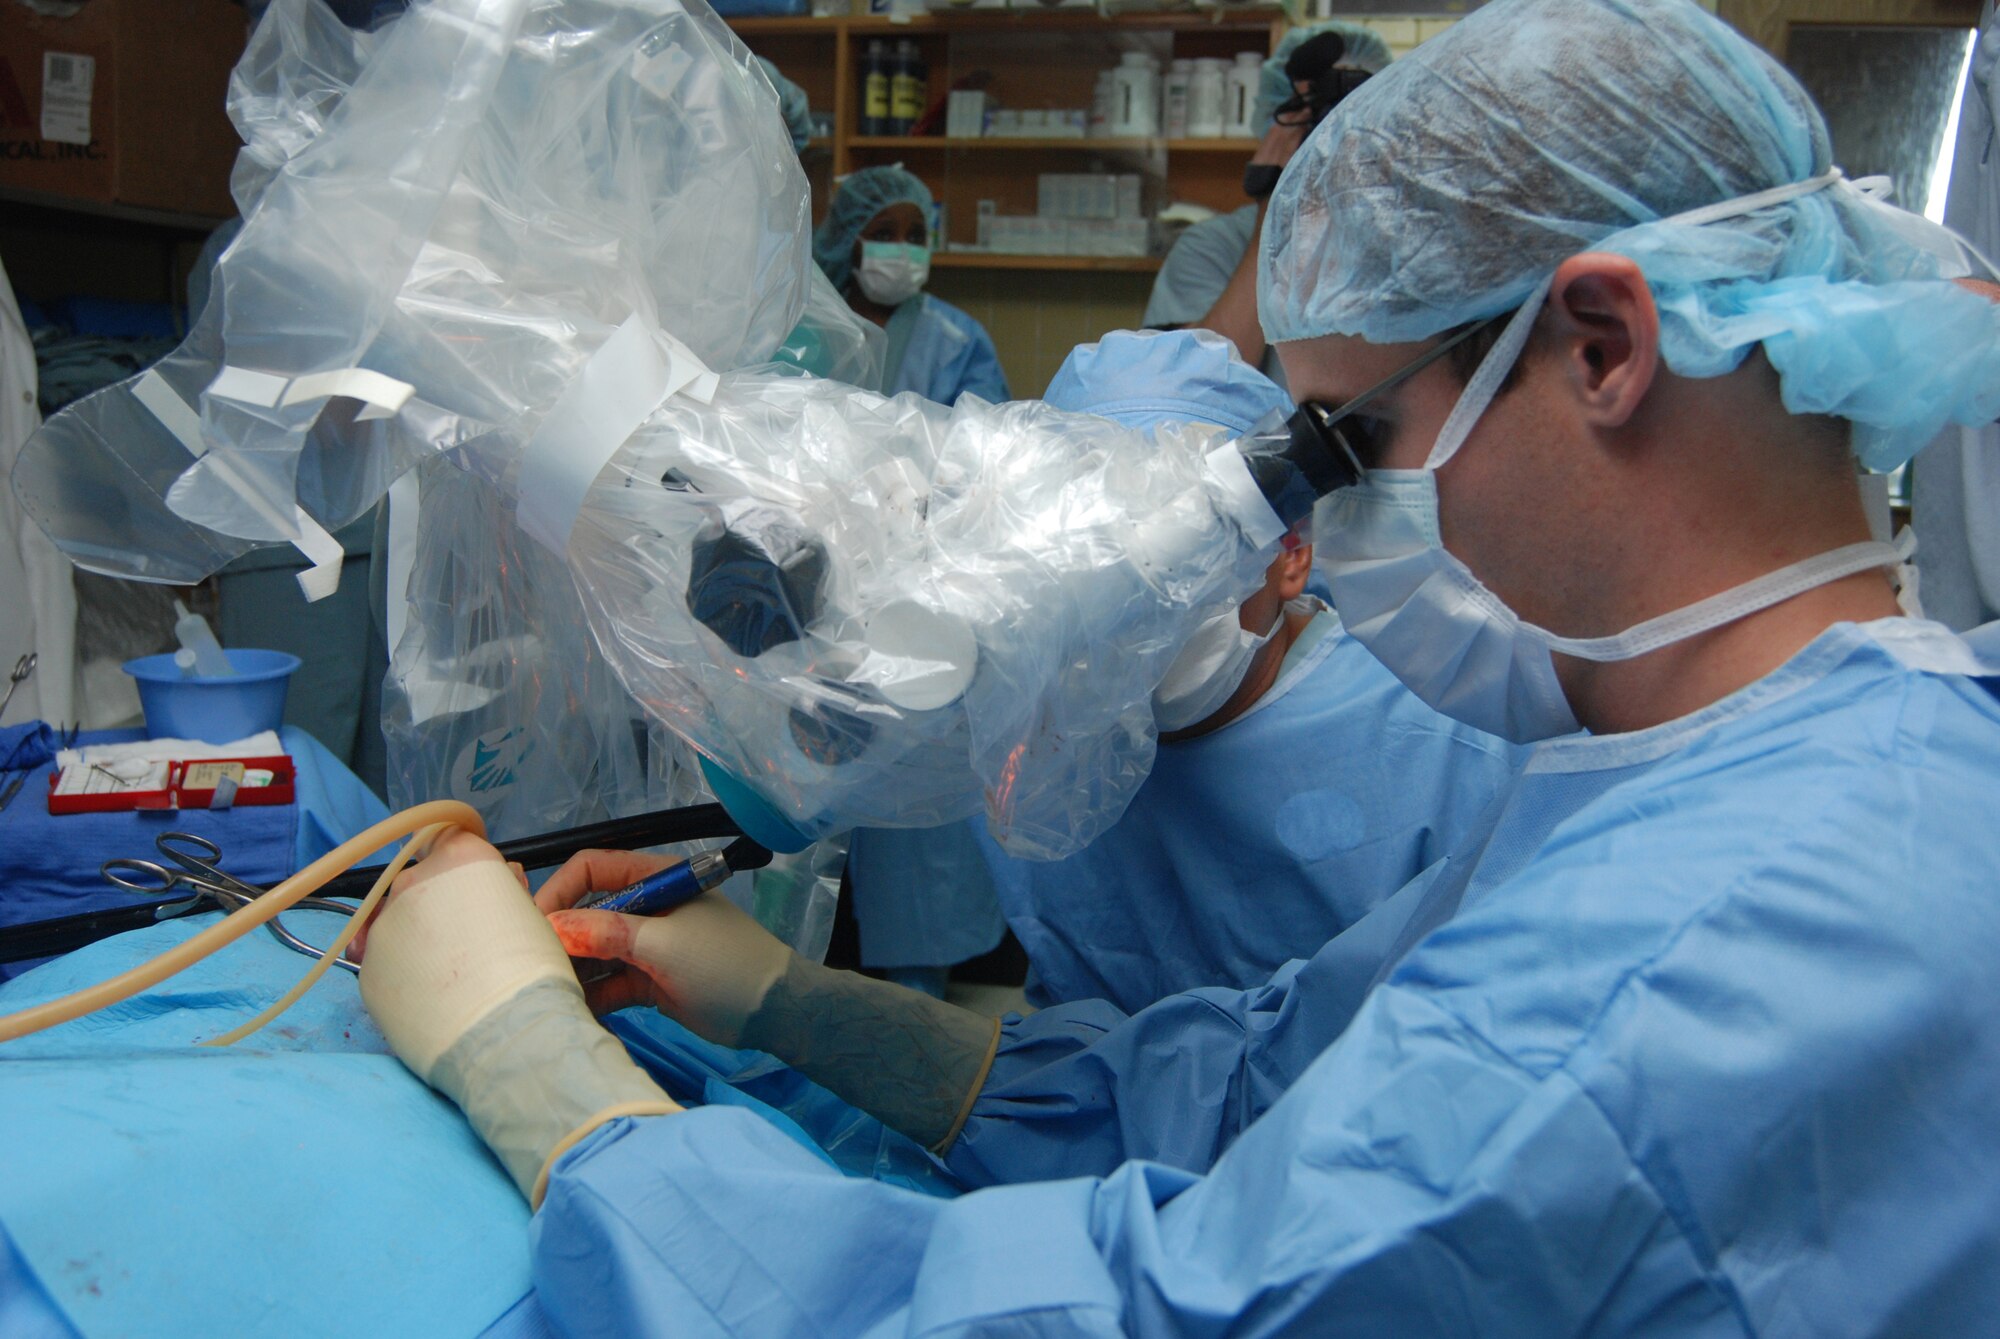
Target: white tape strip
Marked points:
323	577
309	537
624	381
690	376
247	387
1253	515
167	406
319	547
384	395
661	74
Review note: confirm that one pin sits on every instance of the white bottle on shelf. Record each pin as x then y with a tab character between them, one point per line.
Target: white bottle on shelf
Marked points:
1174	99
1206	95
1239	116
1102	100
1135	110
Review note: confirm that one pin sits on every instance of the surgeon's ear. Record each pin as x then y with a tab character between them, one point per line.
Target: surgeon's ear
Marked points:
1605	331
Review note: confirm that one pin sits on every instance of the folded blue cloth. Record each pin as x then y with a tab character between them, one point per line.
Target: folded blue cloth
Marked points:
27	745
116	318
26	1309
333	803
50	863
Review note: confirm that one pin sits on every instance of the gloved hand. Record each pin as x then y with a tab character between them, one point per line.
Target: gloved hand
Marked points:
1274	151
473	991
705	965
913	1062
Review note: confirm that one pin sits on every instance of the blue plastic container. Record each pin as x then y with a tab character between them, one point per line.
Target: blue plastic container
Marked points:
214	710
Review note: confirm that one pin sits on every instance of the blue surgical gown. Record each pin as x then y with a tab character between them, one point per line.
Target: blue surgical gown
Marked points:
1198	267
922	896
1257	843
1696	1039
941	353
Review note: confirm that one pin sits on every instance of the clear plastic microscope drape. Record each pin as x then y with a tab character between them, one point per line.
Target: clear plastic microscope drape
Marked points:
554	256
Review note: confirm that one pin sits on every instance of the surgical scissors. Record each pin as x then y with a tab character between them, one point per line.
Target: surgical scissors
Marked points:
196	865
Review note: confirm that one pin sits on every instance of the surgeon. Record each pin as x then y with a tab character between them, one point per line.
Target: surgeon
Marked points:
1695	1038
875	248
1297	782
1209	278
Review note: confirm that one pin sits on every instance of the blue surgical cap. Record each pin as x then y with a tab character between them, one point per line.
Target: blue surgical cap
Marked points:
792	105
1450	186
1143	377
862	196
1365	51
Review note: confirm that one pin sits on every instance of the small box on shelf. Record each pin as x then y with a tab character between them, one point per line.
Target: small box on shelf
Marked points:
1088	195
965	114
1037	123
1010	235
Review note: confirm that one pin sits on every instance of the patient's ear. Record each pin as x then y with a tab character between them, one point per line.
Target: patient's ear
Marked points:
1292	570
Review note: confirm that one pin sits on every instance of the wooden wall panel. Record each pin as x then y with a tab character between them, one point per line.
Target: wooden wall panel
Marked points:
1036	318
1767	22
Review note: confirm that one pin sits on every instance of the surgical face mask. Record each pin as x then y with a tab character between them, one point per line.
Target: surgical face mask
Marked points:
1454	643
1459	647
891	273
1207	672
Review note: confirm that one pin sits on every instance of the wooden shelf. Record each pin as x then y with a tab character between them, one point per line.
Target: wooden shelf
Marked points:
199	224
985	260
1037	307
965	20
1030	57
756	27
1044	143
1059	142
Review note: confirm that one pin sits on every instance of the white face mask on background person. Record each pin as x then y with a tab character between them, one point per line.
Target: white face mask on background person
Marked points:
891	273
1454	643
1207	671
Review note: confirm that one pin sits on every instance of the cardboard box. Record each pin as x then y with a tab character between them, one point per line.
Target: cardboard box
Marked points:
121	103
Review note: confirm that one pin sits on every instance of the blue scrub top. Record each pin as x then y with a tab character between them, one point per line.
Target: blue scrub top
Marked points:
1257	843
922	896
941	353
1198	267
1696	1039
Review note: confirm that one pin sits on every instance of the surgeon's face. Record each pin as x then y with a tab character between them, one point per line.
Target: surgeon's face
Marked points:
1505	499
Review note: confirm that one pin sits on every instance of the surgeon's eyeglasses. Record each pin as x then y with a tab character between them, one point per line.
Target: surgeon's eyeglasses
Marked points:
1347	438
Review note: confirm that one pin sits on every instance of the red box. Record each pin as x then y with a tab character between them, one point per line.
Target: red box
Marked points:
282	790
144	79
